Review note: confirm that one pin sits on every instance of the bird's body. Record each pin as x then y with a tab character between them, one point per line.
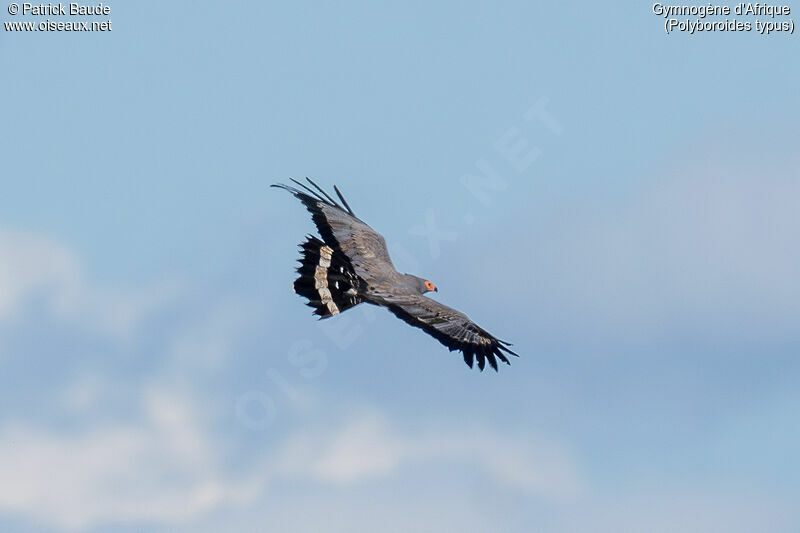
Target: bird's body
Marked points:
351	265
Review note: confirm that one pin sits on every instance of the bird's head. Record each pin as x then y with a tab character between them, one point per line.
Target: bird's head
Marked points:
420	284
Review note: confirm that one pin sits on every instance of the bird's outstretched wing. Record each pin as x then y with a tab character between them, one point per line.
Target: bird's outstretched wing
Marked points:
342	229
450	327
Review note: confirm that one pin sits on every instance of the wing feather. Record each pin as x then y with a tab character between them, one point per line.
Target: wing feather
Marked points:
341	229
452	328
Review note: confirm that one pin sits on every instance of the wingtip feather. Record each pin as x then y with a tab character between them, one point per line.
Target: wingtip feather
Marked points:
492	360
468	357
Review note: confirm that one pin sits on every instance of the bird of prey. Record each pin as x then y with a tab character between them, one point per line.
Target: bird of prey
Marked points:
351	265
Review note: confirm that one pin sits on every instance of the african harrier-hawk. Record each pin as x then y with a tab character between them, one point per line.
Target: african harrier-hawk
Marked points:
351	265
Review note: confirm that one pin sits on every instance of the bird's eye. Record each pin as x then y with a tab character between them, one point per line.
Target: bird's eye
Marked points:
429	285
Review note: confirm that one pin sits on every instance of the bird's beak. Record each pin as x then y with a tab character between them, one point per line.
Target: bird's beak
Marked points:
435	288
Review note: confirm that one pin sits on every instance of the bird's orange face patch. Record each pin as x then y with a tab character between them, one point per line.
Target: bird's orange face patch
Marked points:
430	286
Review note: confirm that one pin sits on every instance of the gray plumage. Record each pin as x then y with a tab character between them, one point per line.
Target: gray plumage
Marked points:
351	265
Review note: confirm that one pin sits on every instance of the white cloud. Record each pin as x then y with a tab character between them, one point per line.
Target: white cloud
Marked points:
367	447
84	394
363	448
32	266
164	467
29	263
159	468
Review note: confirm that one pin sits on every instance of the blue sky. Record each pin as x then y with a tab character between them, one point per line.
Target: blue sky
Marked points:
619	203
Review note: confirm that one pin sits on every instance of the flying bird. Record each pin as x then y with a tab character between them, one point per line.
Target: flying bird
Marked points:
351	265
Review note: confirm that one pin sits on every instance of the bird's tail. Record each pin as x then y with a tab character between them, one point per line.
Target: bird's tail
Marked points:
326	279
